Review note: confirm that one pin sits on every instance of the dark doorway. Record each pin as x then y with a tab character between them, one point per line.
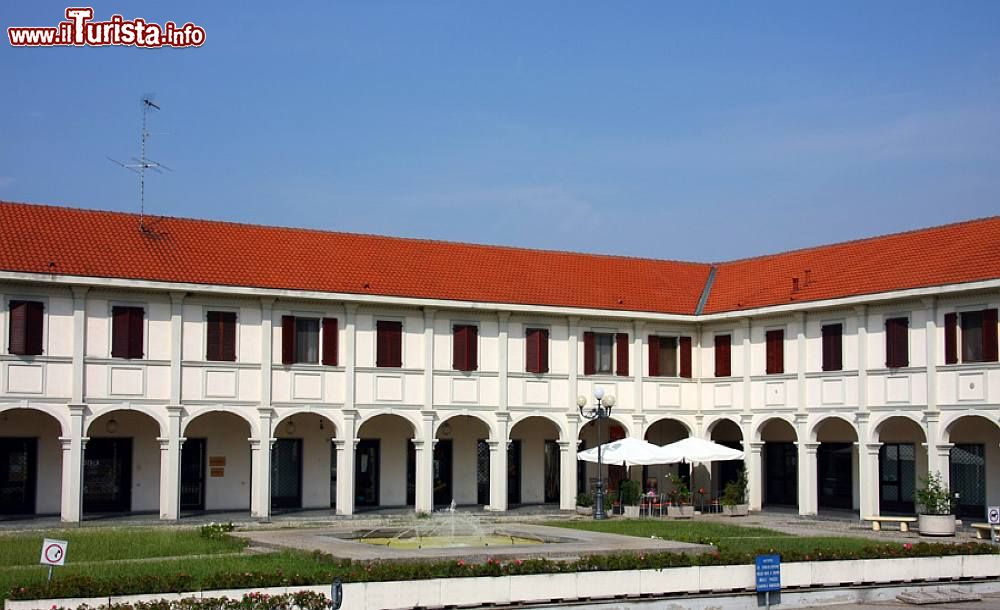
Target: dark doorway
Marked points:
835	475
333	475
107	475
729	470
366	473
581	472
897	468
286	473
18	475
443	453
193	474
781	474
514	472
552	470
411	474
968	479
482	472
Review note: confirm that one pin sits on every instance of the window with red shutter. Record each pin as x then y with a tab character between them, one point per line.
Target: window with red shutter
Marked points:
723	355
654	356
288	340
950	338
621	347
971	323
221	336
26	328
330	341
536	357
897	343
127	325
465	347
389	344
989	335
833	335
589	362
685	367
775	346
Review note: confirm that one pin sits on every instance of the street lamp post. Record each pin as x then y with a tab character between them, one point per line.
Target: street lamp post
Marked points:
600	412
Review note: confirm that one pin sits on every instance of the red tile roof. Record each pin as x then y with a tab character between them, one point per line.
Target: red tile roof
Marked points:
949	254
69	241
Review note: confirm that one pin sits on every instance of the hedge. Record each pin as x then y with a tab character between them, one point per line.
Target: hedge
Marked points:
378	571
303	600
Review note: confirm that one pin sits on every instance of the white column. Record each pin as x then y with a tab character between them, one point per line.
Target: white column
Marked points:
72	466
260	449
424	455
807	478
498	464
346	444
868	473
755	476
79	343
567	475
930	341
266	350
429	358
170	466
940	457
861	312
637	343
571	344
800	367
747	368
503	344
176	345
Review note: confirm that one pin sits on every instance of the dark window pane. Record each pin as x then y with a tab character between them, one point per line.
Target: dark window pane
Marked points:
603	349
972	336
668	356
307	340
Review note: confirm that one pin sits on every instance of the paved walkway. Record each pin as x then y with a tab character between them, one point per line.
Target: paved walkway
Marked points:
989	602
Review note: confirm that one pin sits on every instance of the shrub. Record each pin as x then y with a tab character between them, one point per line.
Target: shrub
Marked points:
680	491
736	491
934	498
585	500
215	531
302	600
630	492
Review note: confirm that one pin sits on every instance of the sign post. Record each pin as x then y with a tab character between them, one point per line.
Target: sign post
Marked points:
768	570
993	517
53	554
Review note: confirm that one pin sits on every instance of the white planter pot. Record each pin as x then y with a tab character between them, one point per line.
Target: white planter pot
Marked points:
738	510
631	511
680	511
936	525
585	510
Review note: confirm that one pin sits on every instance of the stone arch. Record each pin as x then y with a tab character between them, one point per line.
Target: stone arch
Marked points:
122	461
196	413
35	442
490	425
336	426
56	413
948	426
558	423
877	426
688	425
840	422
711	426
151	413
407	417
773	422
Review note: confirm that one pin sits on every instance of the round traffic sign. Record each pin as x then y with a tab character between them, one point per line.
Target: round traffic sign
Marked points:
994	515
53	552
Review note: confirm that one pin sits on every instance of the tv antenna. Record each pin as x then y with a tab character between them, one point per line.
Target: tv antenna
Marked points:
142	163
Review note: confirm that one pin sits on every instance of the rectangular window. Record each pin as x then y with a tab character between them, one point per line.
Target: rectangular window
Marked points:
833	342
603	351
667	354
897	342
25	328
723	355
221	336
307	340
389	344
775	346
302	341
465	347
126	332
536	357
979	335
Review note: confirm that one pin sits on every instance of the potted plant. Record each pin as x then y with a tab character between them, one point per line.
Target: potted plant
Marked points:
584	504
936	509
630	494
734	496
681	496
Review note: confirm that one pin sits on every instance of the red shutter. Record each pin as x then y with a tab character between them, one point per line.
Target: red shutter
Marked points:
18	328
654	356
464	347
213	336
119	332
472	348
389	343
832	347
686	357
989	335
589	366
531	348
950	338
621	346
288	339
229	336
774	341
135	331
723	355
897	343
34	326
543	350
330	336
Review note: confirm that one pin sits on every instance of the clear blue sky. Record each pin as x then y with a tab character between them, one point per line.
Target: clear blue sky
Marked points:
641	128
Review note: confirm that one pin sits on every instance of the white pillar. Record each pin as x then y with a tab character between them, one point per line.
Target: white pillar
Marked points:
571	344
637	343
755	476
79	343
176	347
869	478
72	466
170	466
498	464
567	475
807	478
429	359
260	448
939	460
266	350
503	363
424	455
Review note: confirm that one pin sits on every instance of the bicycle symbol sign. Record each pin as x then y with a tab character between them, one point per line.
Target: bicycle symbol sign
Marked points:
53	552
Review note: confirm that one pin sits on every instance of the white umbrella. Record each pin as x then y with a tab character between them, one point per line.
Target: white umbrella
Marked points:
626	452
693	449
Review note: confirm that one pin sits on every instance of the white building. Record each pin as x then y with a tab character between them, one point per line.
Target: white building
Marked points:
188	365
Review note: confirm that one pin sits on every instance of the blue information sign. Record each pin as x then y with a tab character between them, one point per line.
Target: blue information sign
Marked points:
768	573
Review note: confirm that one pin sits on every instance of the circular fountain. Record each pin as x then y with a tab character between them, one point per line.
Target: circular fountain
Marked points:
444	529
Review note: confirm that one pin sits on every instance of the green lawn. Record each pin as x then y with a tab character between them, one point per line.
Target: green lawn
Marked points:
103	544
726	537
